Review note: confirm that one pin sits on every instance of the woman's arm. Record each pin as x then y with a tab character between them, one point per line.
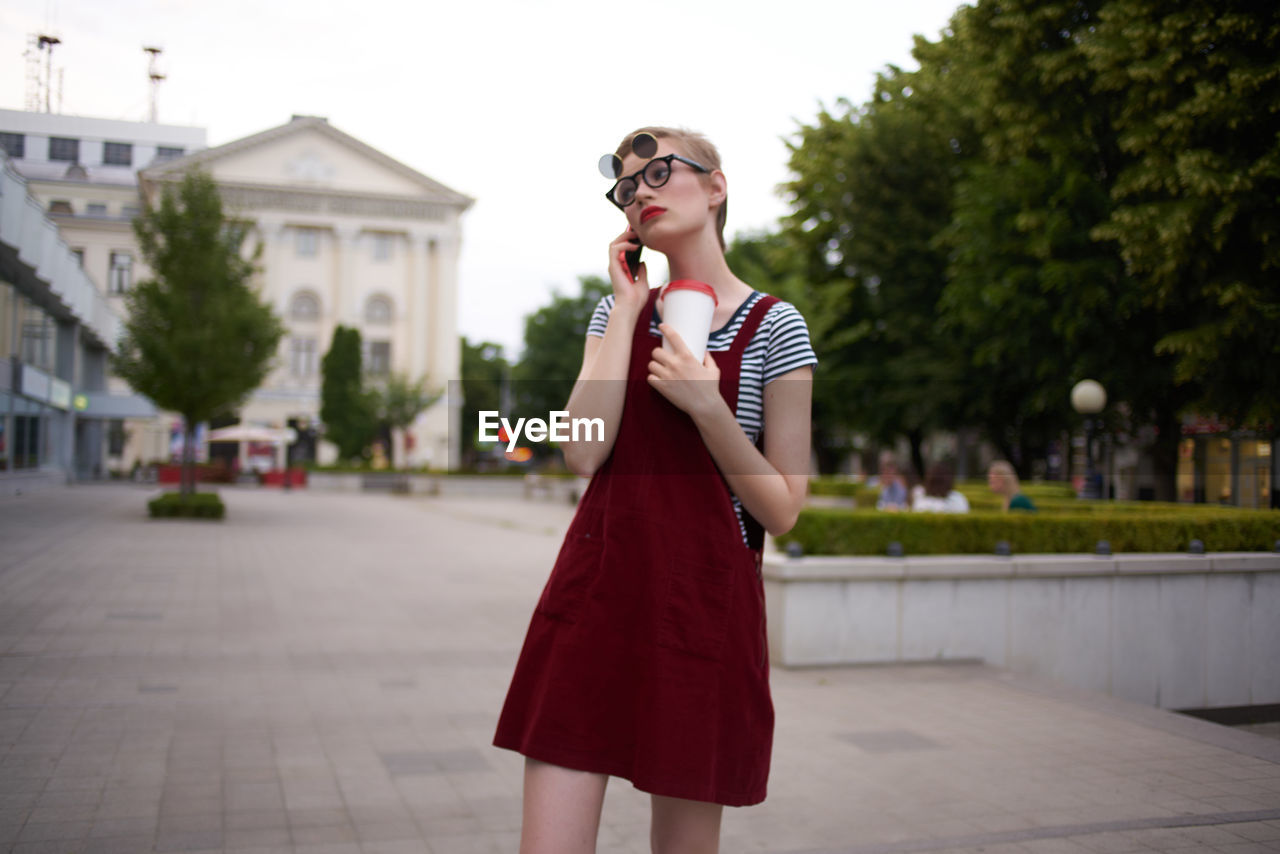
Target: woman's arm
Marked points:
771	486
601	387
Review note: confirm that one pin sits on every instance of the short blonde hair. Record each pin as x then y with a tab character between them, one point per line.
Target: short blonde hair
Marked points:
691	144
1005	470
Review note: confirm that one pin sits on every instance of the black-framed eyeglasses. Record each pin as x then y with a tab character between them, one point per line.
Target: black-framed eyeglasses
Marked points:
655	173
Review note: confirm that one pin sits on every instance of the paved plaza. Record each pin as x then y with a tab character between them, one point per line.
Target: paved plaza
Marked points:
321	673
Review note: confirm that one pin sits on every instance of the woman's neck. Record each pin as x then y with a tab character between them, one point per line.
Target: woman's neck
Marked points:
703	260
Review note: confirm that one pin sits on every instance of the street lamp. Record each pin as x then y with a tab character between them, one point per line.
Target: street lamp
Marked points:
1088	397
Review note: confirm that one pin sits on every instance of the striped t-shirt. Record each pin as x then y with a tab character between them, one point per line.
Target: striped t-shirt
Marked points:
780	344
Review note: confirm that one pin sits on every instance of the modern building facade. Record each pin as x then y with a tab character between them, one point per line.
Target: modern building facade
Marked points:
83	172
56	328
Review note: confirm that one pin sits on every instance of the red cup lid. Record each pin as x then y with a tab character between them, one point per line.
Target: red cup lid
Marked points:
691	285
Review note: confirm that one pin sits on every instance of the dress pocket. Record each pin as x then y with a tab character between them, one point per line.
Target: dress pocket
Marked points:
696	608
576	569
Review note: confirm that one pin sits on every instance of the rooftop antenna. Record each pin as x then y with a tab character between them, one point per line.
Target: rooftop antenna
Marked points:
47	44
153	72
40	85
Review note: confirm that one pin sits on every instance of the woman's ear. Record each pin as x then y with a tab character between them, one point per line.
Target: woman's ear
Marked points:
719	190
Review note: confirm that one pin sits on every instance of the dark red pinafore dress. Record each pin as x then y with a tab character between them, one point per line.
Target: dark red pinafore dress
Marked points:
646	655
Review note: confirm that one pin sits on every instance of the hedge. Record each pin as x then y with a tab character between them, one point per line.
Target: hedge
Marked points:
826	531
200	505
1056	498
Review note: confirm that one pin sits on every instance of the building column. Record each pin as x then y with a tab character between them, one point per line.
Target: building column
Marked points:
446	348
346	285
419	310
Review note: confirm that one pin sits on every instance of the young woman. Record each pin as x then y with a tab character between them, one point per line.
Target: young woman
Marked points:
938	494
646	655
1003	481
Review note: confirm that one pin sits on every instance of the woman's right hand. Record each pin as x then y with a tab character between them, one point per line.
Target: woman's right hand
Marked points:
628	294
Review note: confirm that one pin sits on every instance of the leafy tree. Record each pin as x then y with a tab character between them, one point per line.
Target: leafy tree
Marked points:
399	400
1032	298
348	412
1196	87
872	190
552	357
1039	292
775	264
485	372
198	339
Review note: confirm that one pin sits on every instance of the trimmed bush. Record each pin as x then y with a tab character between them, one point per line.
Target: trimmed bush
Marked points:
824	531
1050	498
175	505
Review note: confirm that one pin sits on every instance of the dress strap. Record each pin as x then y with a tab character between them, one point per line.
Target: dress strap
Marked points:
754	530
749	326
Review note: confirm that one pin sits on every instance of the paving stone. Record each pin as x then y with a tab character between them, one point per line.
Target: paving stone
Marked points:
321	674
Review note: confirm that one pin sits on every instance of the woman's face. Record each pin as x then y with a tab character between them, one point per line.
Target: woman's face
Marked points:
680	205
995	480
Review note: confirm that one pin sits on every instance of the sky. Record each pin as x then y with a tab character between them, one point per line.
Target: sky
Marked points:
511	102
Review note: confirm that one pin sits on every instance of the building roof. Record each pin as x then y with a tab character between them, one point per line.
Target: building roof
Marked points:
431	189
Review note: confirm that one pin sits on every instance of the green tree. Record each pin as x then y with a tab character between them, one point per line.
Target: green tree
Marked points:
775	264
399	400
552	357
1038	294
1196	88
198	339
349	413
872	189
1032	298
485	371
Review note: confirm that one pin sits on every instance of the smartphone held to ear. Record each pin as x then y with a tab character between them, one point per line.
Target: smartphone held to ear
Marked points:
631	257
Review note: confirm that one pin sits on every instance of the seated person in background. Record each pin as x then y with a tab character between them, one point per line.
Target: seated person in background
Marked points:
1003	481
893	488
937	493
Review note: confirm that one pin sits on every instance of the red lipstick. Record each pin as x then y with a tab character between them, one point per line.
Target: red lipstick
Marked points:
650	212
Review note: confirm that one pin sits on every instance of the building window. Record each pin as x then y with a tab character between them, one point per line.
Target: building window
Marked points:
116	437
302	357
10	304
98	209
130	211
26	441
60	206
383	245
120	274
79	253
117	153
307	242
378	311
304	307
37	337
66	150
377	361
13	144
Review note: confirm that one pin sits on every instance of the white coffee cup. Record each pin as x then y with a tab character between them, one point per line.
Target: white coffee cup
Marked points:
688	306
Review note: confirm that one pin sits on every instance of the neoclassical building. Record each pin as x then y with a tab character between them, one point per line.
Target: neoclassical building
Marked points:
349	236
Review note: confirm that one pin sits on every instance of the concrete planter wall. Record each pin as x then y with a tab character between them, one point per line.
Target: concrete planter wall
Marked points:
1169	630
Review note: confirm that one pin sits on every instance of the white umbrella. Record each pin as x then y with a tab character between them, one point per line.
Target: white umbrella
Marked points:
253	433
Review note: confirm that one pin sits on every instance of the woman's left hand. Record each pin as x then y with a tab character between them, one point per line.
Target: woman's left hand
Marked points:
690	385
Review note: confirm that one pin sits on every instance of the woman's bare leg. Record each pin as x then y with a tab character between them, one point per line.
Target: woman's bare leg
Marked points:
685	827
561	809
